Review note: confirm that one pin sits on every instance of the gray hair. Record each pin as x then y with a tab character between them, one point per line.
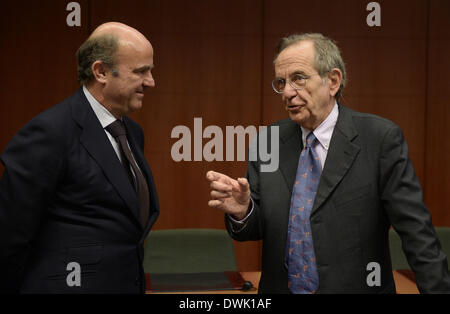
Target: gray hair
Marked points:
102	48
327	54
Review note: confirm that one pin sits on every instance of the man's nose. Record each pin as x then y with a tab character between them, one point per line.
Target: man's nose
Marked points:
149	81
288	92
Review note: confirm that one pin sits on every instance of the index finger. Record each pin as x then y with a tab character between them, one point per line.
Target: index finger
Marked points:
216	176
243	184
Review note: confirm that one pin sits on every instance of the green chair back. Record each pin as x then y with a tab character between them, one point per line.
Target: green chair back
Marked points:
189	251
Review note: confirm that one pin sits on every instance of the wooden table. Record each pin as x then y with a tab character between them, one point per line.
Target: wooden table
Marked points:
404	281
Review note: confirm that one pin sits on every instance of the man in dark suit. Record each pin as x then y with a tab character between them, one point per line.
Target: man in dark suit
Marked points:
77	197
344	178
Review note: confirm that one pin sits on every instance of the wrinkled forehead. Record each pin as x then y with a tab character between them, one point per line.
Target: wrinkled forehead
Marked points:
296	58
133	62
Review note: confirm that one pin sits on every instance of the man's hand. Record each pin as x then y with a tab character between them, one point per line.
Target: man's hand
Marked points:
229	195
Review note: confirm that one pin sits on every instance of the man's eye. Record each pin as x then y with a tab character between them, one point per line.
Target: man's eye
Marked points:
280	83
297	78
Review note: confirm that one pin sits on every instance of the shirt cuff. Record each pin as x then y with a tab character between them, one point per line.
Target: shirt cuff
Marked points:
244	220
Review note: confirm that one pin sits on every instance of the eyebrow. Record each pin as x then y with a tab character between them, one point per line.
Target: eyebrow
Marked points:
143	68
294	73
298	72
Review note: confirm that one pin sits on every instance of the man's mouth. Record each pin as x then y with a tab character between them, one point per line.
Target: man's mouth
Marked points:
293	107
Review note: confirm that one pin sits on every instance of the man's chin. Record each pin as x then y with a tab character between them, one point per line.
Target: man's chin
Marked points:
298	117
135	106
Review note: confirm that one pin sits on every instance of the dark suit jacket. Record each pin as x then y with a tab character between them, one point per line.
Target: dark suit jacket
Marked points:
65	197
367	184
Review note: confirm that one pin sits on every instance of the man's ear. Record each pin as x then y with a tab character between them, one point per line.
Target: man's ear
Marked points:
335	77
99	70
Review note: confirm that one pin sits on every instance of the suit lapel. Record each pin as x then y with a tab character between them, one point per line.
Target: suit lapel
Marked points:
95	141
340	157
290	149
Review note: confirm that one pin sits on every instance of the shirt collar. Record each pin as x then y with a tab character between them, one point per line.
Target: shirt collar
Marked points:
104	116
324	131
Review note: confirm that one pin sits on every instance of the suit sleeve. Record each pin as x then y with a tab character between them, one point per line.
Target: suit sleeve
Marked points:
32	162
403	200
252	229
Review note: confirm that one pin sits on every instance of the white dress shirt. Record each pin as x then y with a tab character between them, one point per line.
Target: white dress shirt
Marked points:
323	134
106	118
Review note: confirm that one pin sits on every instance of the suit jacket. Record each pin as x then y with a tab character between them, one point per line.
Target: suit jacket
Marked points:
367	184
65	197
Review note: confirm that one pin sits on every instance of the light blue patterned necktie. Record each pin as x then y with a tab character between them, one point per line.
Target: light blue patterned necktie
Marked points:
300	257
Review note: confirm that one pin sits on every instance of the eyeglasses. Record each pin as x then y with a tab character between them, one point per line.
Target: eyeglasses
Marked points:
297	81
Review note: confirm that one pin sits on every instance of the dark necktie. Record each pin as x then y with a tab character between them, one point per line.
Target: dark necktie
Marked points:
300	257
117	130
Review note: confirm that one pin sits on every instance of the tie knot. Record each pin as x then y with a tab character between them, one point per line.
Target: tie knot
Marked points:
310	140
116	129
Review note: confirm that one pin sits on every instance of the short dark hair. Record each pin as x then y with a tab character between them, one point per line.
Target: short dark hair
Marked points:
327	54
102	48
